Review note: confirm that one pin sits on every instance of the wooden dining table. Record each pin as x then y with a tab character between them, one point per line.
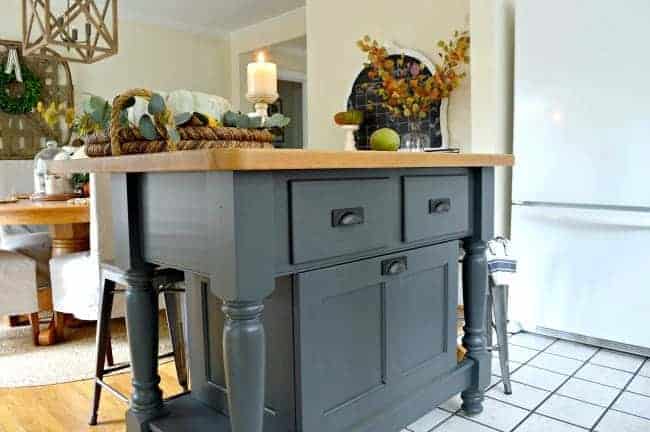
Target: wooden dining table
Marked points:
69	225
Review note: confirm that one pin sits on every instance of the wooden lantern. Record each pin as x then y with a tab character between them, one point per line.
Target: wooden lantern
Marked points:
82	31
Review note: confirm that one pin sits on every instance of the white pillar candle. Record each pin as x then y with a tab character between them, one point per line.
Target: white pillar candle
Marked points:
262	78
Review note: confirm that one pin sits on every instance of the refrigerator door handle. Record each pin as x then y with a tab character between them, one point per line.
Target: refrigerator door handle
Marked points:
611	218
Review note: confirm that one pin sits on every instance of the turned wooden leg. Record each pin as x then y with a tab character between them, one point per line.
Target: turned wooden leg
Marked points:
47	337
142	330
245	364
475	285
59	325
36	328
70	238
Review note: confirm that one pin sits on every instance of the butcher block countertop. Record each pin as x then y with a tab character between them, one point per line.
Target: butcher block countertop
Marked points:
276	159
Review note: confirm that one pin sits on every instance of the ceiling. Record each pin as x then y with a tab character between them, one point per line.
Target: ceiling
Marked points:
211	16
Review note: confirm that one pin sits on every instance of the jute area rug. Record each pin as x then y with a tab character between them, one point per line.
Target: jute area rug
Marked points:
23	365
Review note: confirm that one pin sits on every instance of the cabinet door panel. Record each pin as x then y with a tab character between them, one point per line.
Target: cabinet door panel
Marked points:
420	338
367	337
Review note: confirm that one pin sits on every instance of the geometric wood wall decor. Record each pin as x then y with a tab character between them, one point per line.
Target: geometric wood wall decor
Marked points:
24	135
82	31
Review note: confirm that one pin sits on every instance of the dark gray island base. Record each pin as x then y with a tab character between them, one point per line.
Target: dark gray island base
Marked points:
319	300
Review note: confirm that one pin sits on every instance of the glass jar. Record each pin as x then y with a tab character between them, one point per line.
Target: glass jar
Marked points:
49	153
416	140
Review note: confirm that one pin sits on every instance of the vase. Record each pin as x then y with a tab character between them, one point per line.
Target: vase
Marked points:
415	140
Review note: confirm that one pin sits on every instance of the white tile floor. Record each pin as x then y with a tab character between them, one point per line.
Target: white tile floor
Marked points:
558	386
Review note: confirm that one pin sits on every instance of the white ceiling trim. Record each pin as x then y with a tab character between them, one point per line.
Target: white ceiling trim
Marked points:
290	51
280	17
210	31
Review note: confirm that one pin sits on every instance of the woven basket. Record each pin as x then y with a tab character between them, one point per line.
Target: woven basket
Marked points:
128	140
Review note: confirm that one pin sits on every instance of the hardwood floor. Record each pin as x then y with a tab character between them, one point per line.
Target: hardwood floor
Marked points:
66	407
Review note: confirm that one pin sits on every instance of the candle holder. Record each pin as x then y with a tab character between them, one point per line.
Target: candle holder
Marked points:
350	142
262	104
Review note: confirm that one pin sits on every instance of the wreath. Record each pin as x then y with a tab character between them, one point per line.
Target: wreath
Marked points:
24	102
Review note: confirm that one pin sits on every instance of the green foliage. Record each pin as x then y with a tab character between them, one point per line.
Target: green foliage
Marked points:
96	116
124	118
254	122
239	120
182	118
25	102
156	104
80	179
230	119
243	121
147	128
277	121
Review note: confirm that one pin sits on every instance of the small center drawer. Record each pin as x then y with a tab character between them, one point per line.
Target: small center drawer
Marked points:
331	218
435	206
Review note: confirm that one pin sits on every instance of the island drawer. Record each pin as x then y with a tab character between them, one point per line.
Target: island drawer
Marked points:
435	206
331	218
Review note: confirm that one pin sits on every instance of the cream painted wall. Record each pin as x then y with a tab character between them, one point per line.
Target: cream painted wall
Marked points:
492	27
333	59
282	28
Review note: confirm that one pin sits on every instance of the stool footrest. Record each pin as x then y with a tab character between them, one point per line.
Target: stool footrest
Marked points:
112	390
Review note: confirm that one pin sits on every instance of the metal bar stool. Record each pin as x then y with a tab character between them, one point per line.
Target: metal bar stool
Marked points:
499	299
165	281
501	266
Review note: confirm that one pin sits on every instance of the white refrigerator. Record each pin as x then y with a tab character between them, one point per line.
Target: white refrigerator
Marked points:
581	184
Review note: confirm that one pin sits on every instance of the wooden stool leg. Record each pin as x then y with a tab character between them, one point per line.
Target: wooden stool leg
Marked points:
499	297
59	325
103	329
110	361
36	328
174	321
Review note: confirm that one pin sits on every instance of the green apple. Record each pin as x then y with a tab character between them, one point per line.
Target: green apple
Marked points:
385	139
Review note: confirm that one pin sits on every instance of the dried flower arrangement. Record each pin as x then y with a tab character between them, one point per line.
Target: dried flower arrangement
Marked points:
413	96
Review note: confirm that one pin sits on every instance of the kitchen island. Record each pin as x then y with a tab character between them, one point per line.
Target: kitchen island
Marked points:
321	286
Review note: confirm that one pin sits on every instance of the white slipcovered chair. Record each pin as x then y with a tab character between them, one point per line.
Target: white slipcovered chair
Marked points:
23	271
76	277
24	253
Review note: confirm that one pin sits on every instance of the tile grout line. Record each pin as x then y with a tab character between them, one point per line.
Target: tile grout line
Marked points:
593	428
539	352
455	413
522	365
547	391
554	392
580	360
647	419
561	421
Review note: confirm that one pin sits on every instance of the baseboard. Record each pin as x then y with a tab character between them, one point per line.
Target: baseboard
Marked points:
588	340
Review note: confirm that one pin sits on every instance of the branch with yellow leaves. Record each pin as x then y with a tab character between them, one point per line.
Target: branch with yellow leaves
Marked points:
413	96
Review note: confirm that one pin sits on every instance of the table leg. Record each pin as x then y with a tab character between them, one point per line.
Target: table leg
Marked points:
245	364
66	239
69	238
142	331
475	284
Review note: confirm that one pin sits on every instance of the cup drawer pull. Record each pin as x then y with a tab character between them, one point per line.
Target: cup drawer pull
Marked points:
348	217
394	266
439	206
